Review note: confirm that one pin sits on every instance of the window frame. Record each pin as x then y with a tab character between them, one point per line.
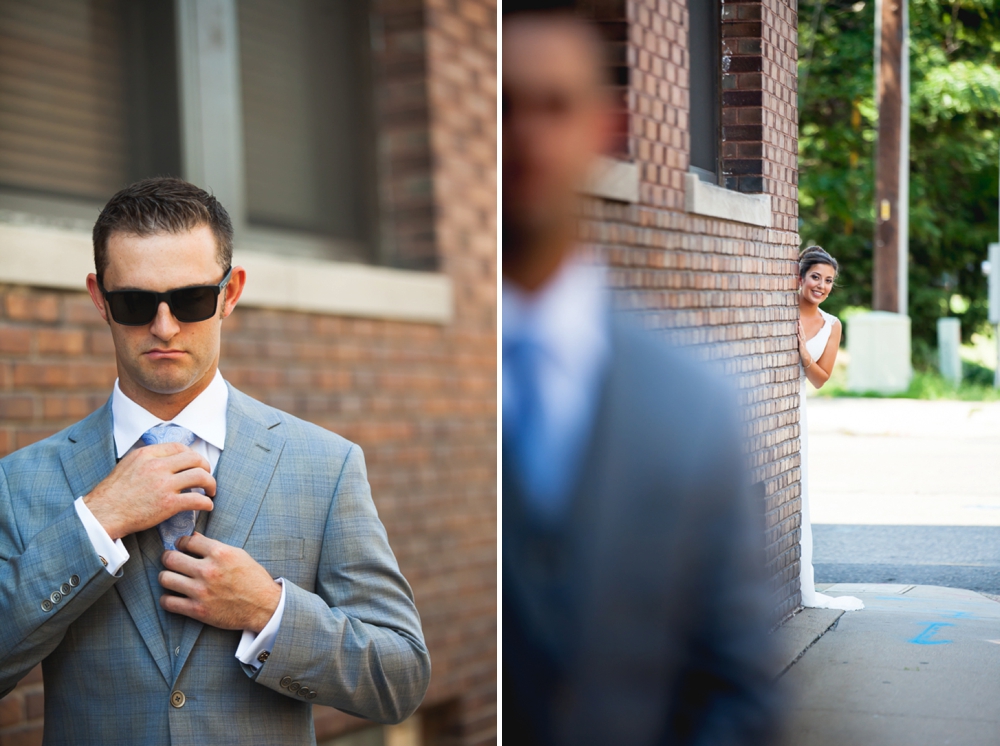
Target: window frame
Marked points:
46	241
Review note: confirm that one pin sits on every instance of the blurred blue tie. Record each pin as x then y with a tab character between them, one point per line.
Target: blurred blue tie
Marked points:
181	524
534	444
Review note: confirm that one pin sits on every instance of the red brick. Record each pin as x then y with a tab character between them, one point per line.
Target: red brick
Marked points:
34	703
16	407
61	341
79	309
15	340
30	735
24	306
11	710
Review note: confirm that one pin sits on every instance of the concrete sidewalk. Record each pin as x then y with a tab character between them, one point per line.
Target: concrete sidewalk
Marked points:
919	666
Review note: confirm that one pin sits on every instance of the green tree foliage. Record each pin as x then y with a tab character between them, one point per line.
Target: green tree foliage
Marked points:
954	127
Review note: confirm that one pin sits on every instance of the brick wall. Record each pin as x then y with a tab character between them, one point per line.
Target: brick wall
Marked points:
725	288
420	399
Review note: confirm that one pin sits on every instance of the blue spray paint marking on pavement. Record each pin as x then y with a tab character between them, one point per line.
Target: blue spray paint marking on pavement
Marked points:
957	614
924	638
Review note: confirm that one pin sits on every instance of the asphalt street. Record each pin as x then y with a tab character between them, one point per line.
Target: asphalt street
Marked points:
906	492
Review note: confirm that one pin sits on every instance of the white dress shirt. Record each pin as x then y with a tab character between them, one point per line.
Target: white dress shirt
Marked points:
205	416
569	319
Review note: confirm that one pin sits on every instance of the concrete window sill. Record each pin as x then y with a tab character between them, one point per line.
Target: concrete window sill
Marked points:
55	257
713	201
614	180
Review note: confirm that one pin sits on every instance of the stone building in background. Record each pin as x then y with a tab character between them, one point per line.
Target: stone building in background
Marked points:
697	214
354	144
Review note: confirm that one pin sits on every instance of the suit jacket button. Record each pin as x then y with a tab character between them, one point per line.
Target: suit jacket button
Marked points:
46	605
55	597
65	589
74	581
304	691
294	687
311	695
284	682
177	698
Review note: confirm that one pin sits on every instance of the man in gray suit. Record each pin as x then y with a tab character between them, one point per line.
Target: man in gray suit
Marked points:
230	570
634	605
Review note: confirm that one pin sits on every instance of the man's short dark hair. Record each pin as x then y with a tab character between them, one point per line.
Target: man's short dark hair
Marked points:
521	7
162	205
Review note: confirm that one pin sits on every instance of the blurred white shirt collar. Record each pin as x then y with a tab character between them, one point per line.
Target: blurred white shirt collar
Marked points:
568	317
569	320
205	416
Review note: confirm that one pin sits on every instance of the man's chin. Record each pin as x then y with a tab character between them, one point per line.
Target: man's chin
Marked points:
167	383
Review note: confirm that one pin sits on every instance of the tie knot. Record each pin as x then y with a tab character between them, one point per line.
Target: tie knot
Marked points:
168	433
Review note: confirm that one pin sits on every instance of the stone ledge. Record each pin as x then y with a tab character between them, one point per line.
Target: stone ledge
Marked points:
51	257
613	179
713	201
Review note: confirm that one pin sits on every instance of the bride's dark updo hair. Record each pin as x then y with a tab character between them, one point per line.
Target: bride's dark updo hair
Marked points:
816	255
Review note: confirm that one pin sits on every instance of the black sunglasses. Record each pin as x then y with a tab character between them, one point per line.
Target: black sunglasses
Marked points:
138	307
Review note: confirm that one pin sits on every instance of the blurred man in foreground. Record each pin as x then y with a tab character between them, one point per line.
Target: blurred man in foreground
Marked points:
634	609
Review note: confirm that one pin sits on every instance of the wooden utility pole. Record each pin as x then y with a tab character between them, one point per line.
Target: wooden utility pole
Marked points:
888	207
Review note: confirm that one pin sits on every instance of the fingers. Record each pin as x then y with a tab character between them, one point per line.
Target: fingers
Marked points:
197	544
184	460
180	605
196	477
178	583
179	563
190	501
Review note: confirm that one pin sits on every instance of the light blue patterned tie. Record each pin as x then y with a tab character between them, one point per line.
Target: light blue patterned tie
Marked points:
181	524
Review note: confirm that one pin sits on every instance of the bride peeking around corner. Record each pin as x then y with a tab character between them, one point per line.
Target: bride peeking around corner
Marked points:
819	340
819	332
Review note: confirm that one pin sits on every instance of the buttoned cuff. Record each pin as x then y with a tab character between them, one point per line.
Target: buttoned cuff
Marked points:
254	650
113	554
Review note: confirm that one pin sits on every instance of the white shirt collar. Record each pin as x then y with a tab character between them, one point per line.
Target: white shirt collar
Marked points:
205	416
568	316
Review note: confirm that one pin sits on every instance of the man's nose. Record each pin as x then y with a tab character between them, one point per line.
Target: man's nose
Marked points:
164	326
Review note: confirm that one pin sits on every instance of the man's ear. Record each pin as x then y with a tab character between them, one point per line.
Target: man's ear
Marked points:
233	290
97	296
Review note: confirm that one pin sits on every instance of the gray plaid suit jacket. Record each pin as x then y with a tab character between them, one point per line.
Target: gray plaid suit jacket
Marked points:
296	497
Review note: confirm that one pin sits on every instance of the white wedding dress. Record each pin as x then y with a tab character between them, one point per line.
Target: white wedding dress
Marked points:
807	580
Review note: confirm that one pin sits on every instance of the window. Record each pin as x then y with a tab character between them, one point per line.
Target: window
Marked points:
705	51
267	103
307	117
87	97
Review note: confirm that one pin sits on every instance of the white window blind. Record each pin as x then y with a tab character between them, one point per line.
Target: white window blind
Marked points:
63	118
308	132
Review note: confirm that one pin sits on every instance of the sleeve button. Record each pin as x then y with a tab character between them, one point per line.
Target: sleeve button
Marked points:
46	605
65	589
284	682
304	691
294	687
74	581
55	597
311	695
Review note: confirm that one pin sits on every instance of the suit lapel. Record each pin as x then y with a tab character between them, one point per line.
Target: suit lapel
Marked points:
243	476
87	459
